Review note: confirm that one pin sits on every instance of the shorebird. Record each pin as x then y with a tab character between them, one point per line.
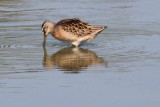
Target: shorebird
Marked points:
73	31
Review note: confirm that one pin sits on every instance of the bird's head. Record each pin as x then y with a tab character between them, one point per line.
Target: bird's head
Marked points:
47	28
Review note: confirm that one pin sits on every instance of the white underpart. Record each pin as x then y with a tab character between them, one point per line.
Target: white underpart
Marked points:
76	43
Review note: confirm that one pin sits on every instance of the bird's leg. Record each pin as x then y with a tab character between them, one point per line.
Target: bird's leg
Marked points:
76	43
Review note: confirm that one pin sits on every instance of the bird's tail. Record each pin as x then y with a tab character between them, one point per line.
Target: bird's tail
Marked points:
104	27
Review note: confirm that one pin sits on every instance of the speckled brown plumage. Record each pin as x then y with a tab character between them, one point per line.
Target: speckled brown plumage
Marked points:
77	27
72	31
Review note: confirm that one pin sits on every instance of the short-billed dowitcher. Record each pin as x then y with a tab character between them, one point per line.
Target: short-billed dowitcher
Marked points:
72	31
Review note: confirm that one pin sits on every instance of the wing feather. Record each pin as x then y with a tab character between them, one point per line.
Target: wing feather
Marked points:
77	27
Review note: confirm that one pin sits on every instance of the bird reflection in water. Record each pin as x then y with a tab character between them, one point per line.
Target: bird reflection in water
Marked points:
71	59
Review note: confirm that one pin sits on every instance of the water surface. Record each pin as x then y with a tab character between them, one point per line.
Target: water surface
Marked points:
119	68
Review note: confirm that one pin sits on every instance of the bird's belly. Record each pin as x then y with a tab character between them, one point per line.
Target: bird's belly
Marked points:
65	37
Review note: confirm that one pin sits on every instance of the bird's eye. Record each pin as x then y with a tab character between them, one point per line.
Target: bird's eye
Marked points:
44	28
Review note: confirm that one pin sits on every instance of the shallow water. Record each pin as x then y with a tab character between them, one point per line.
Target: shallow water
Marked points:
119	68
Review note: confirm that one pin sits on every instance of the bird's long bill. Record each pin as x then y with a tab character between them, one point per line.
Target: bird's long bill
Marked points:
44	40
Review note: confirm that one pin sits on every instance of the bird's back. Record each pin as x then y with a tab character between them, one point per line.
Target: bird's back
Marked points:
72	30
77	27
